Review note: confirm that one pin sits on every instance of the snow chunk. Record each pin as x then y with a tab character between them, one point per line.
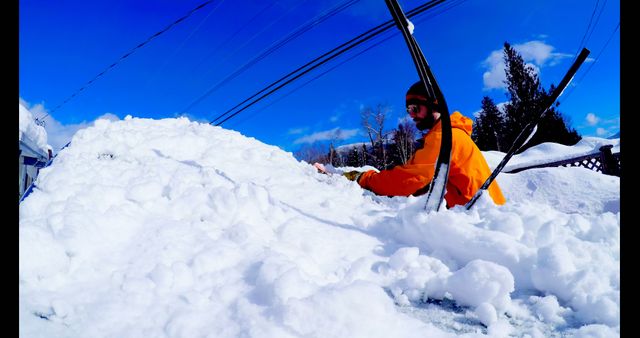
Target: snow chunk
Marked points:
482	282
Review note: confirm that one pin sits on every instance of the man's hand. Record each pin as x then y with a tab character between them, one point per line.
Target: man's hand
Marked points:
353	175
321	168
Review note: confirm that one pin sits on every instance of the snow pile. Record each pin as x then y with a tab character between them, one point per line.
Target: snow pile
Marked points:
171	228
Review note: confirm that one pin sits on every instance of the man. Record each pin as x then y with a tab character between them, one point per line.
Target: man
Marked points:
468	169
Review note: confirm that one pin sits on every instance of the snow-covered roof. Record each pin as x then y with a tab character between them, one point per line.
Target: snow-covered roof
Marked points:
30	134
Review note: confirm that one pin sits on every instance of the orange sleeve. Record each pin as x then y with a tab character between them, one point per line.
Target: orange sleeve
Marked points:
404	180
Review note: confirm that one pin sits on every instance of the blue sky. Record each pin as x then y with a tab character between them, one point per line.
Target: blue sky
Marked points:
64	44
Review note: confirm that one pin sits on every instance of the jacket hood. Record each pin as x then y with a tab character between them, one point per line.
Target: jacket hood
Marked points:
461	122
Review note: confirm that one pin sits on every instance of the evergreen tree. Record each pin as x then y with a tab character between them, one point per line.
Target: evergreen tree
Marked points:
353	157
489	127
553	128
527	99
478	129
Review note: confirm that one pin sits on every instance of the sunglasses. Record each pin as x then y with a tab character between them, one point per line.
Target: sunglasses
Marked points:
413	109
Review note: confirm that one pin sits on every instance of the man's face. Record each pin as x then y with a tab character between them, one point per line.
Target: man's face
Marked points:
423	117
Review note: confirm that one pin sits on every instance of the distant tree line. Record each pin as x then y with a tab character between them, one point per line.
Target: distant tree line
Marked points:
494	128
384	149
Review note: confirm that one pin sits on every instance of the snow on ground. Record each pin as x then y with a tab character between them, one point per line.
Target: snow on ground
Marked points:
171	228
552	152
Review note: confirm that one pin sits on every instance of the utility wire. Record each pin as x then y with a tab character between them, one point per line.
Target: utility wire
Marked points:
323	59
327	71
230	38
179	48
126	55
303	29
439	11
597	19
255	36
588	26
593	63
454	4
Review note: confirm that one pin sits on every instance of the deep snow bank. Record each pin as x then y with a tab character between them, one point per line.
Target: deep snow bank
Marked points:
173	228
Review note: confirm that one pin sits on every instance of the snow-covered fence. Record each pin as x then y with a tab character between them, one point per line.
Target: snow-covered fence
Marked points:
603	161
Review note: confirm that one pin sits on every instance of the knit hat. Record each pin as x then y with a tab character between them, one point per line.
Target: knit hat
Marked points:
417	94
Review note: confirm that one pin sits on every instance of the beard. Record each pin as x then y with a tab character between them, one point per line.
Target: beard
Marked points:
425	123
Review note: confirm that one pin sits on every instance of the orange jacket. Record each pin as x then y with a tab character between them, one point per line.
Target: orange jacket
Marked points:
468	169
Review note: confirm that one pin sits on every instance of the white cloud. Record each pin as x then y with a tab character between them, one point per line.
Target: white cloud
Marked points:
61	134
599	126
494	77
534	53
58	134
295	131
36	110
592	119
500	106
537	51
341	109
332	134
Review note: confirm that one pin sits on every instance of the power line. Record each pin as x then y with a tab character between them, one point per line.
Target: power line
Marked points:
330	69
588	26
440	10
594	61
175	52
125	56
323	59
230	38
445	9
255	36
597	19
301	30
